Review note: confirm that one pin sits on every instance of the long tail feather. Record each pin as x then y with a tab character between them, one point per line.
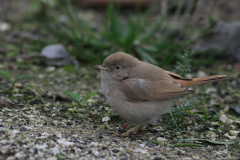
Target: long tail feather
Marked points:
195	81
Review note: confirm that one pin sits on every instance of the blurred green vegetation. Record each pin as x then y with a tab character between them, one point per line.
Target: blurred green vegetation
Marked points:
157	38
150	39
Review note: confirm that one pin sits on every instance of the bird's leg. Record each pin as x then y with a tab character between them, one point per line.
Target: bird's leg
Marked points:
135	129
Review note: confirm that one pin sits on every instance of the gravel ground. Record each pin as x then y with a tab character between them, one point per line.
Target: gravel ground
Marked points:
38	122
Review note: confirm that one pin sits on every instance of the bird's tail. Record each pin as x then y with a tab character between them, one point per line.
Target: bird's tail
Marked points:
195	81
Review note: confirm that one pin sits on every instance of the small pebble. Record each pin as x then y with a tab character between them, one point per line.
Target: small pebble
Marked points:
4	27
223	118
233	133
149	144
161	139
69	123
105	119
22	129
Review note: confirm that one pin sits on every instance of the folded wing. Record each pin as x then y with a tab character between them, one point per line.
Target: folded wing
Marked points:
145	89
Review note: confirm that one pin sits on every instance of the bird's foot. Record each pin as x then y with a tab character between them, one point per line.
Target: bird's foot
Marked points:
135	129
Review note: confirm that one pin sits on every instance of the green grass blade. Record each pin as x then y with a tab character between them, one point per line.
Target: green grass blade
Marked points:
206	140
145	56
89	95
5	74
73	96
152	29
4	89
19	78
179	144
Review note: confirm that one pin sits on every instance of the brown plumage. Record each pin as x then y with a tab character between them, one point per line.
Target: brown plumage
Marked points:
140	92
191	82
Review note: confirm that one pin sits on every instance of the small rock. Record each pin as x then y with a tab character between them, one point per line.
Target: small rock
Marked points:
35	151
64	142
233	133
28	128
115	150
4	26
223	118
96	153
214	123
104	148
225	151
179	152
149	144
50	69
69	123
223	37
212	102
44	135
18	85
78	121
62	109
236	109
19	155
189	76
52	158
230	137
15	131
201	74
23	129
105	119
90	152
211	90
62	98
58	134
56	55
63	19
212	135
161	139
36	101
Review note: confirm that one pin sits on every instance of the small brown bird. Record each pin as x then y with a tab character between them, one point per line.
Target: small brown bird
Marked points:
141	92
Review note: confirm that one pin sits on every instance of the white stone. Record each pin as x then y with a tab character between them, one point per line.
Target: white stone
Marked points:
50	69
105	119
58	134
55	150
93	144
223	118
212	135
230	137
28	127
65	142
15	131
52	158
233	133
201	74
44	135
142	151
142	145
161	139
214	123
211	90
96	153
4	26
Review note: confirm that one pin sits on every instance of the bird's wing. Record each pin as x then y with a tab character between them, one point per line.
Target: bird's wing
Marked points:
145	89
175	76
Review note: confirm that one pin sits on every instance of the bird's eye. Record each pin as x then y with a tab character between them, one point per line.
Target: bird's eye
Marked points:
117	67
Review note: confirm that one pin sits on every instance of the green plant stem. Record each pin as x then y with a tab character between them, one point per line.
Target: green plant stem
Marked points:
174	121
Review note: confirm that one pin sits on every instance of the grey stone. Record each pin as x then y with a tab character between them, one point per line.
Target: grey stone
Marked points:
56	55
224	37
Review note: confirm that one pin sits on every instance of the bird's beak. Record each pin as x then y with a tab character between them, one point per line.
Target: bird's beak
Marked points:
101	67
